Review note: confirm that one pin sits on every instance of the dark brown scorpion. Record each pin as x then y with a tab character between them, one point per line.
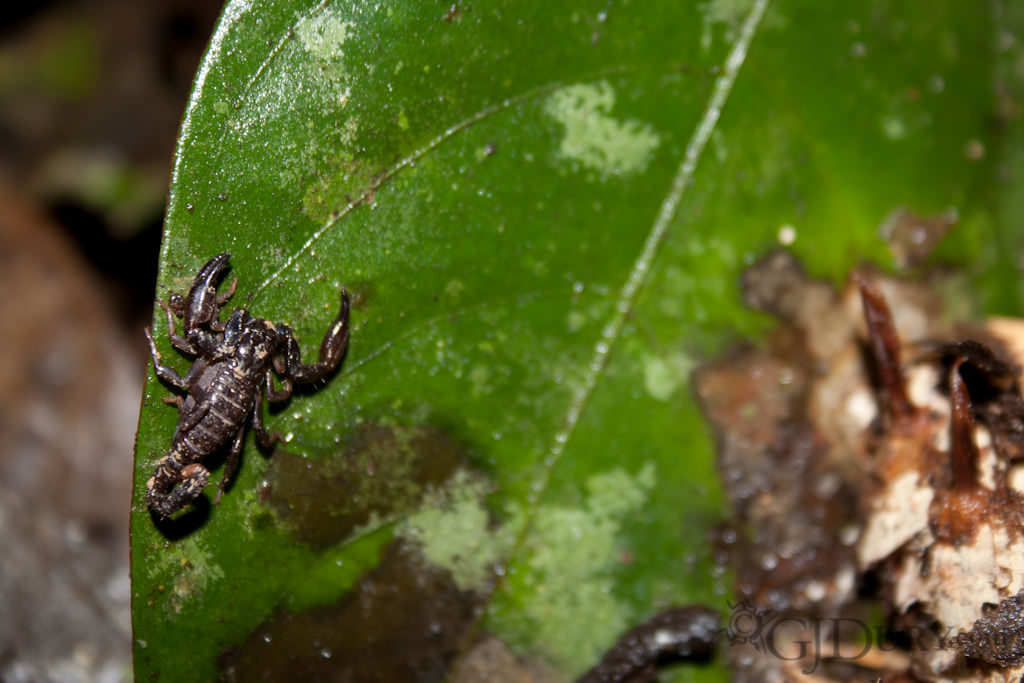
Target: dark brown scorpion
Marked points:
233	372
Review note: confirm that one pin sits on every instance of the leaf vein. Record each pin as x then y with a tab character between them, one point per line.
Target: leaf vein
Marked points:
641	269
410	160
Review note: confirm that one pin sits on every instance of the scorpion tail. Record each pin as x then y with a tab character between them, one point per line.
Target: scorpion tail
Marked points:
165	501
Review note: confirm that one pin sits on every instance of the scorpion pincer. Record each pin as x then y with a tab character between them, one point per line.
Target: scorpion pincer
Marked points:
233	372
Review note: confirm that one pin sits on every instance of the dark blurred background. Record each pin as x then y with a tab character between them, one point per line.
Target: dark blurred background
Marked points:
91	95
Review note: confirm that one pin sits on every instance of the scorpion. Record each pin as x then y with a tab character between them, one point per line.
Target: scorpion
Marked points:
232	374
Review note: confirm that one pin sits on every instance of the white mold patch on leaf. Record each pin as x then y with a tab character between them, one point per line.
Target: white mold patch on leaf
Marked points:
324	35
451	531
571	611
188	570
663	375
594	139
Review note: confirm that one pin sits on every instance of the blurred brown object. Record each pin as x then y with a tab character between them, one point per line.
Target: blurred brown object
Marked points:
68	410
91	96
912	238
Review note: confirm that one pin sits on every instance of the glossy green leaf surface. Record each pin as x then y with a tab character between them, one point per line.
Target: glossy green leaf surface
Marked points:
541	211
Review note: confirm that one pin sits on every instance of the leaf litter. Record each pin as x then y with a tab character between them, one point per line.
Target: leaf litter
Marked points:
871	453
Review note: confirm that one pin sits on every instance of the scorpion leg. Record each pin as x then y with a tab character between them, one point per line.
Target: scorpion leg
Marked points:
278	395
264	437
177	340
177	401
164	372
231	464
216	325
332	348
187	420
228	294
190	420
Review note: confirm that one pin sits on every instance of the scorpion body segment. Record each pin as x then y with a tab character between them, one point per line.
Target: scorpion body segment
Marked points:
231	376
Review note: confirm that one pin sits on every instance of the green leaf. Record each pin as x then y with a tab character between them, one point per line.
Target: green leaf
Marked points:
541	210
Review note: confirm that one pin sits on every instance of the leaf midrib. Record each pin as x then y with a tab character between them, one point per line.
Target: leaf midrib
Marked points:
640	272
638	276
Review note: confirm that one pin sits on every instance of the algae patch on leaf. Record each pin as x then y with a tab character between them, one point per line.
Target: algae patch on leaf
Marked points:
452	531
324	35
186	570
664	374
568	610
594	139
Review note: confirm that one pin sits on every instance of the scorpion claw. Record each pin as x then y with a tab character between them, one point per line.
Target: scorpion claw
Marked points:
201	305
333	346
